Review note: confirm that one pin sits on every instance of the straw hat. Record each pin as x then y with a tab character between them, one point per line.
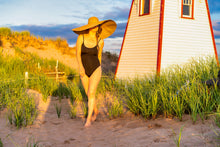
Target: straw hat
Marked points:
108	27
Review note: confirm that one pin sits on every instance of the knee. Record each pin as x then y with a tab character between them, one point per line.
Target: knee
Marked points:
91	94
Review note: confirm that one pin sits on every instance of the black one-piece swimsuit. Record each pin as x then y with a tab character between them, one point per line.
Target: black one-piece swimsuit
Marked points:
89	57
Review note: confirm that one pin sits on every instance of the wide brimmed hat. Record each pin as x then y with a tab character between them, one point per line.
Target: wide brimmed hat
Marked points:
108	27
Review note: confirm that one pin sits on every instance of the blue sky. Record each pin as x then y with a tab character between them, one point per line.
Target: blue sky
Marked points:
53	18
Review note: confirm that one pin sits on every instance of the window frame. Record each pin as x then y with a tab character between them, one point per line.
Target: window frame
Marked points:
191	16
141	13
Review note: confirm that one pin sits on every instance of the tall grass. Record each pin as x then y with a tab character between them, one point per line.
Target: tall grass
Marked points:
115	108
177	139
58	109
32	142
13	96
1	144
21	107
178	91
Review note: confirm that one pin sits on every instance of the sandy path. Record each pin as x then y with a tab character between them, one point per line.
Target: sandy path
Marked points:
126	131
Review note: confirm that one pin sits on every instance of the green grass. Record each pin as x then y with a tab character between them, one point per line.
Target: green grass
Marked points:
1	144
21	107
177	139
115	108
33	143
58	109
73	111
177	91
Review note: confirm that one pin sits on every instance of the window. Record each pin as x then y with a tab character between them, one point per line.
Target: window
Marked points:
144	7
187	8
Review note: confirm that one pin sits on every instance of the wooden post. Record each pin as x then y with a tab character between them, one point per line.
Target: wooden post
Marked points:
57	76
38	65
26	78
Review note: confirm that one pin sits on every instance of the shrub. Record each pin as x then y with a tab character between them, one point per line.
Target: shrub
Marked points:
5	32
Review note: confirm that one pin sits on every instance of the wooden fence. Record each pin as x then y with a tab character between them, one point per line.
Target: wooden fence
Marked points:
56	75
52	75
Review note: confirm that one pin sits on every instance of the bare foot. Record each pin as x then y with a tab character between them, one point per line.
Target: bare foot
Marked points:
88	124
94	116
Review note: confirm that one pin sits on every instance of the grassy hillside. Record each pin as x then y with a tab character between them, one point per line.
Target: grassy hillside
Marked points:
24	39
28	42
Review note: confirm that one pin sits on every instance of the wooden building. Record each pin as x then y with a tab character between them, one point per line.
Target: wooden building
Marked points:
160	33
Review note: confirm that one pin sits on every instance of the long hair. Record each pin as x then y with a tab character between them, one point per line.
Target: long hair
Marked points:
98	32
98	35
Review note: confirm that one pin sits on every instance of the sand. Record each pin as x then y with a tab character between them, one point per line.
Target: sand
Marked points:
128	130
52	53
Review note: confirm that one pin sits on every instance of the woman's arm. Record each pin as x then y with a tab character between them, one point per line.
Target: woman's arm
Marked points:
101	45
78	55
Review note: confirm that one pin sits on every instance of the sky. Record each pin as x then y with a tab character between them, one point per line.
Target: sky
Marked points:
57	18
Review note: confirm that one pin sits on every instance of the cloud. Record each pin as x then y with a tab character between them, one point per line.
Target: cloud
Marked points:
50	31
217	41
120	30
216	28
63	31
117	14
217	34
214	23
218	49
113	44
120	15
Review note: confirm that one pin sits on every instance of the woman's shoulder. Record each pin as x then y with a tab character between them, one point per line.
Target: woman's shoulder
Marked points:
80	38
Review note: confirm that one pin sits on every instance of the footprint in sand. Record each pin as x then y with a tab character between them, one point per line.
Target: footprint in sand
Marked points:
68	141
154	126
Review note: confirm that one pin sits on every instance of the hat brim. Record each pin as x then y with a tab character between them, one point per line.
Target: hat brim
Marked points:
108	28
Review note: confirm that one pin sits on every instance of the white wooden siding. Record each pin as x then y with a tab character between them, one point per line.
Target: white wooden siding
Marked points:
139	52
185	38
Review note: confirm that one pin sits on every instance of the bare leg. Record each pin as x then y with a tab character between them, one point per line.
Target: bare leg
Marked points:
95	112
93	83
85	82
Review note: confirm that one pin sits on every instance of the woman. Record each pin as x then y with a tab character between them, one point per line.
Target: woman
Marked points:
89	52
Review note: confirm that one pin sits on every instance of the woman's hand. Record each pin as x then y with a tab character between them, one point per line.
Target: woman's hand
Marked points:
82	72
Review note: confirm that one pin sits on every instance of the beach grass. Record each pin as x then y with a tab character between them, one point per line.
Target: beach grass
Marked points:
115	108
1	144
176	138
177	91
32	142
73	111
21	106
58	108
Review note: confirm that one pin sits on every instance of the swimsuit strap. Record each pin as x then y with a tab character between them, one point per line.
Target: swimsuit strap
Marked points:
99	40
98	44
